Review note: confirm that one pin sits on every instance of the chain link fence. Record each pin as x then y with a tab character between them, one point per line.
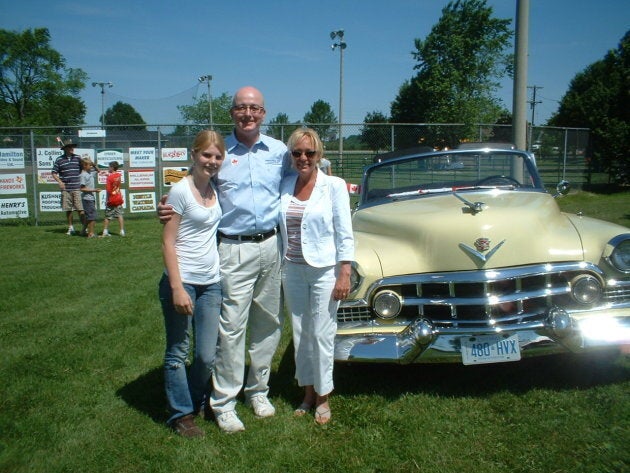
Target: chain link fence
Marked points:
156	156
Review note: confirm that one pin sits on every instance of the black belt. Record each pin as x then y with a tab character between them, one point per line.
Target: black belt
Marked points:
255	237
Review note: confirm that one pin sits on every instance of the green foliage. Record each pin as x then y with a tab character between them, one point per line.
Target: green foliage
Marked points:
350	143
280	127
375	137
36	88
318	118
599	99
199	112
124	114
459	65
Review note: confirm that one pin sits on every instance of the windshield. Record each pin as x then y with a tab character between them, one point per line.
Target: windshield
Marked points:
448	171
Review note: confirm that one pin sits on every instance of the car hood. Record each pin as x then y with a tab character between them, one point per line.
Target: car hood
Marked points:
440	233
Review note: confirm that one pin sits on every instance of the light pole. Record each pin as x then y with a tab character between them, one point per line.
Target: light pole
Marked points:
102	86
208	79
341	45
532	103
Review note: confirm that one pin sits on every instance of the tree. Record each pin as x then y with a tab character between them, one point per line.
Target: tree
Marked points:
319	118
198	114
124	114
36	87
280	128
375	137
599	98
459	66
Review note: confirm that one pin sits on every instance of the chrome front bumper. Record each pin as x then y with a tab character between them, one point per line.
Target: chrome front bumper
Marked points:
421	342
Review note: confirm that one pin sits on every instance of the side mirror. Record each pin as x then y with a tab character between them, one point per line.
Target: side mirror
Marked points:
562	188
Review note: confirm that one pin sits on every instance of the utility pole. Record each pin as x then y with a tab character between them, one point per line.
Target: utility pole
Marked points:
532	104
519	112
207	79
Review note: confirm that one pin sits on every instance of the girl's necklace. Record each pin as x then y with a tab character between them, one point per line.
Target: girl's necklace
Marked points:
205	197
206	194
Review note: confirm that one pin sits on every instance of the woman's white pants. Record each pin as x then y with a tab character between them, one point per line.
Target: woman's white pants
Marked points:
308	295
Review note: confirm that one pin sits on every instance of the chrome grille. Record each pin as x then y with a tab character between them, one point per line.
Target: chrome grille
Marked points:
485	298
617	294
354	314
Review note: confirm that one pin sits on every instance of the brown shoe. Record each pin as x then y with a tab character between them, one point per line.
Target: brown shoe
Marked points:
186	427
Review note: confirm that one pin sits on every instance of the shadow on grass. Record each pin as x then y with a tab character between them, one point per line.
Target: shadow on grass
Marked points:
282	382
558	372
604	188
62	230
146	395
146	392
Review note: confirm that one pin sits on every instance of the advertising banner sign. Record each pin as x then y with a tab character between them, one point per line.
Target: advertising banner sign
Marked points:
12	184
142	202
173	175
14	208
174	154
141	179
141	157
50	201
11	158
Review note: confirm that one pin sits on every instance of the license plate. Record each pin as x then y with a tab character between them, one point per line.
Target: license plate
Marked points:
490	349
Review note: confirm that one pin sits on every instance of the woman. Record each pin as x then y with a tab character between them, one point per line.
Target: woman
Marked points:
318	250
190	292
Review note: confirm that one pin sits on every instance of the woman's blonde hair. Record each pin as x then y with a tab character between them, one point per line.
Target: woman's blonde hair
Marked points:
207	138
300	133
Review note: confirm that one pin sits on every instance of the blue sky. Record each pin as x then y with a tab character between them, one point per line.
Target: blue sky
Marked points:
157	50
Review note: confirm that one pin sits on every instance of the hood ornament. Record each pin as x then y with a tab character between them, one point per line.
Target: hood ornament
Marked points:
471	207
481	245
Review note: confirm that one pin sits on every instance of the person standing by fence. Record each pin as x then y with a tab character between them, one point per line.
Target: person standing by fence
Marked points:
87	196
114	208
67	172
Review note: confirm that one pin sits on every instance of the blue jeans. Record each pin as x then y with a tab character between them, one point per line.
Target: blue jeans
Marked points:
185	393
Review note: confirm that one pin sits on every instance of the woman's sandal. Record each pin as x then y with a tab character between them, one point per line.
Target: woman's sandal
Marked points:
322	415
302	409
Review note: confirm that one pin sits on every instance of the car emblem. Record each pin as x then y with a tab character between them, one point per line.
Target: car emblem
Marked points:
481	244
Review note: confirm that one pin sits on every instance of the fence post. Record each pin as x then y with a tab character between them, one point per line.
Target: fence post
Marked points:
158	159
564	154
35	180
391	130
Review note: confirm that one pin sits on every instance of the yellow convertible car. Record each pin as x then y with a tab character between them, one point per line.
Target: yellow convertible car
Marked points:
463	256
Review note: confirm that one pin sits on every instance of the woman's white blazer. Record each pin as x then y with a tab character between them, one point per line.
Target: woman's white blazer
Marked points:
326	223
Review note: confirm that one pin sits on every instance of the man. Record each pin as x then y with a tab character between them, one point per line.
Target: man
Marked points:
250	255
325	166
67	172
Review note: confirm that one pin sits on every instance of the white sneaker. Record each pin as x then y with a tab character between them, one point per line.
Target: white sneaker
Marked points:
261	405
106	233
70	231
229	422
122	233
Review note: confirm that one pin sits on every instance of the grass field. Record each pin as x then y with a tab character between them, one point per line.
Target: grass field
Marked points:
81	344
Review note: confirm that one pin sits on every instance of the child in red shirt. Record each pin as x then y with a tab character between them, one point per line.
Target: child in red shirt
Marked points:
114	207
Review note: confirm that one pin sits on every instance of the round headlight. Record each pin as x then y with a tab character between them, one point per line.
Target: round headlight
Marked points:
620	256
586	289
387	304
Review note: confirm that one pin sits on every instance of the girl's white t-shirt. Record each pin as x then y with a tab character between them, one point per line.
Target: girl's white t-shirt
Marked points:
196	241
